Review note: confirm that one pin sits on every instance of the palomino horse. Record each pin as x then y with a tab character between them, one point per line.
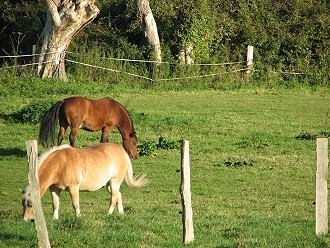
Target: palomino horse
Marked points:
86	169
91	115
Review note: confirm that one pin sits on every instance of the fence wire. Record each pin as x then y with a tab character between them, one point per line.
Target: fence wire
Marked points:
137	61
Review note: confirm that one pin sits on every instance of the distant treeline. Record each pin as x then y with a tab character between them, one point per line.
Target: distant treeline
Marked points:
288	35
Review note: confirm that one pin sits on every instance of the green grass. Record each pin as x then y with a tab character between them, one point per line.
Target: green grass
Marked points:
265	202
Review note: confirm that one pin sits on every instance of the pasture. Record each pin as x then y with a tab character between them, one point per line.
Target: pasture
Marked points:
252	157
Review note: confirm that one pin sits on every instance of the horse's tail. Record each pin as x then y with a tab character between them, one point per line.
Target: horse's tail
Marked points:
48	123
137	182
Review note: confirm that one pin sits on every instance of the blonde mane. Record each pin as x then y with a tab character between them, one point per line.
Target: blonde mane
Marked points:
47	153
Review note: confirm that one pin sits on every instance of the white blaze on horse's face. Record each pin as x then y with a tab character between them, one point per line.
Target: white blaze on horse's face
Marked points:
27	205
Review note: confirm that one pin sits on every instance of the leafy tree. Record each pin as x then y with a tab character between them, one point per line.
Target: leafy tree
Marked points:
288	35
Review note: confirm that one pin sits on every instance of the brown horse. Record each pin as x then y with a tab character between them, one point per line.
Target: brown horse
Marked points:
87	169
91	115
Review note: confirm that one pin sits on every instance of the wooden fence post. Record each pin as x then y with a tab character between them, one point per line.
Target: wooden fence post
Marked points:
42	232
321	202
249	60
187	220
34	51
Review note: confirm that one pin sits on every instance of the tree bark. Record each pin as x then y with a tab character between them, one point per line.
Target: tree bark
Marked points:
149	27
186	55
65	18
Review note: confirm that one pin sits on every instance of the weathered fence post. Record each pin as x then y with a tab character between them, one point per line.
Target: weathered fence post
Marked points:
321	202
187	220
249	60
34	50
42	232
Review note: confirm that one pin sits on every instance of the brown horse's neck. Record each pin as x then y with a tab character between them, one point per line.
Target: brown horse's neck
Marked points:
126	126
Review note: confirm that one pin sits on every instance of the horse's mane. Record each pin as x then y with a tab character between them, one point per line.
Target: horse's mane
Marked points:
129	116
125	110
46	154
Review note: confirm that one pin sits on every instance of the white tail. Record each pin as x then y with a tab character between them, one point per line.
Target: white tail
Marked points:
137	182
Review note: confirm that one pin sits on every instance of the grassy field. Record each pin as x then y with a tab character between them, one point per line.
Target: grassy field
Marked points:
252	168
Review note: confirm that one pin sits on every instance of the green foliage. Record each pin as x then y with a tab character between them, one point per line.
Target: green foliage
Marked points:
20	26
288	36
196	24
32	113
148	148
165	144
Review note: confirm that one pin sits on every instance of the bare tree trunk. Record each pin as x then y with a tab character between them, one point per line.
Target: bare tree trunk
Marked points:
150	27
65	18
186	55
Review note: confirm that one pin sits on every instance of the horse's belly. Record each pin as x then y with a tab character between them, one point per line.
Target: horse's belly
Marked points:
92	186
84	126
90	126
87	188
95	181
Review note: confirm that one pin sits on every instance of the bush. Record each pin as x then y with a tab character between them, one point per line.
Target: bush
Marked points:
32	113
148	148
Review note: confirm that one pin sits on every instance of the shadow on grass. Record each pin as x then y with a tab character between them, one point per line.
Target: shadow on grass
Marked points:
12	152
8	237
17	117
8	117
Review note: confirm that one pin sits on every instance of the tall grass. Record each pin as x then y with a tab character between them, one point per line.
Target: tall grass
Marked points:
94	63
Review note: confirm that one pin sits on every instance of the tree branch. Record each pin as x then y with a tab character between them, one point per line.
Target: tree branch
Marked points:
52	7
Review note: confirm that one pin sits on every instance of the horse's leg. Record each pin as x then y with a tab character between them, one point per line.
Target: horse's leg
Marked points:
74	193
56	201
105	134
73	135
115	197
61	133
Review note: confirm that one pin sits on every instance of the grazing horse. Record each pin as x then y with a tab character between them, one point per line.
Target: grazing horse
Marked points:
91	115
86	169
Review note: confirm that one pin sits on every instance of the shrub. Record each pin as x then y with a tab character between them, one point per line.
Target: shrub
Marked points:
148	148
32	113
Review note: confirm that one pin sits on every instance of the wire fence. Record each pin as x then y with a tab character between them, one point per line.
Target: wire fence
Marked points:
72	61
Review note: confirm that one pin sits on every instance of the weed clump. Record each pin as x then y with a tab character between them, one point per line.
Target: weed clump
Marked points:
31	113
148	148
312	136
234	162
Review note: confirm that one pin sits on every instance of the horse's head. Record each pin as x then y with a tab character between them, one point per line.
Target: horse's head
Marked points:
130	145
27	205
